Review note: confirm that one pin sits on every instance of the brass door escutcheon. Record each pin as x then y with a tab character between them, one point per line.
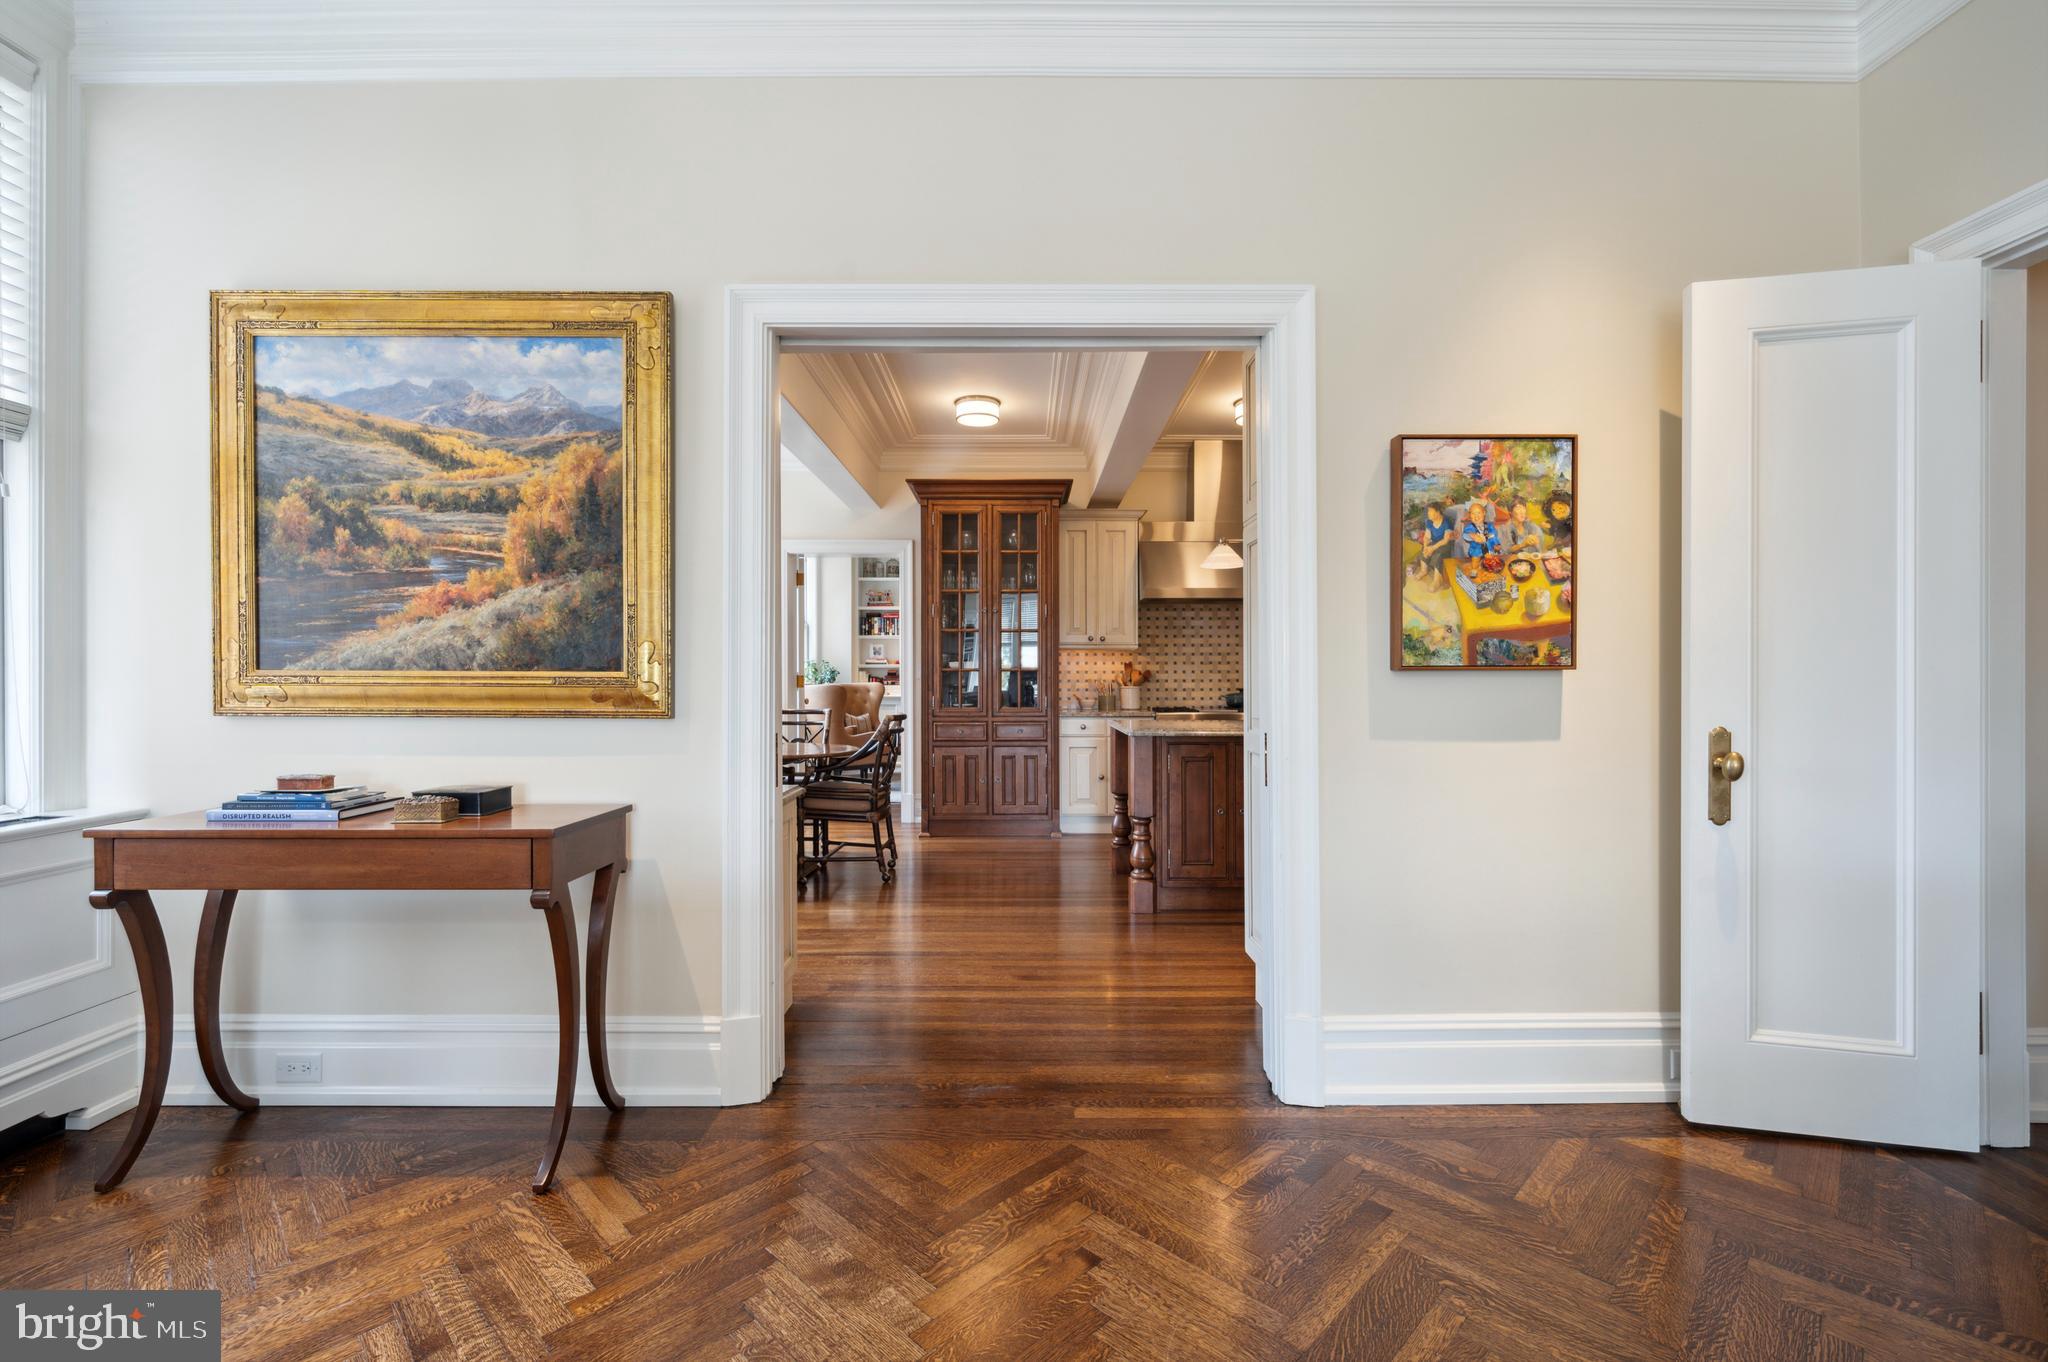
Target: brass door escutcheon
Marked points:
1724	767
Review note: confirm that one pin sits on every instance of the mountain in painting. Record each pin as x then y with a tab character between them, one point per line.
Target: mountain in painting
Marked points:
540	410
404	399
454	404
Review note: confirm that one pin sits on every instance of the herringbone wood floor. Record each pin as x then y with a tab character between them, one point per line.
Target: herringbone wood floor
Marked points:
1019	1125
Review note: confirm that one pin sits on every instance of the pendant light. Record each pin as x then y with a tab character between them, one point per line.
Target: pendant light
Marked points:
1222	558
1237	410
977	410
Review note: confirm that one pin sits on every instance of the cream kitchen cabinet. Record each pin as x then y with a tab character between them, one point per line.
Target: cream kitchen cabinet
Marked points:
1084	768
1099	579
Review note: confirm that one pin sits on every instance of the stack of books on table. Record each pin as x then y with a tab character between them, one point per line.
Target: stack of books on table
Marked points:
296	805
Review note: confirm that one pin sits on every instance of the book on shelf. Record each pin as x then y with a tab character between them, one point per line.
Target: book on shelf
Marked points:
231	814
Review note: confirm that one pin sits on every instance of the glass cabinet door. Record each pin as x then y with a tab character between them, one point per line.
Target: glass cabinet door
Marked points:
958	585
1018	563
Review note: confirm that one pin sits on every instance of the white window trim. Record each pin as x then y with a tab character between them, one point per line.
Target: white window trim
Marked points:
42	658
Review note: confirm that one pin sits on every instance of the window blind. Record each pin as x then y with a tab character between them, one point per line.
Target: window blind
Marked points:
18	221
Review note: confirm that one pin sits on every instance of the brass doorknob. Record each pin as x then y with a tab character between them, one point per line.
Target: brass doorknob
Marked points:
1729	766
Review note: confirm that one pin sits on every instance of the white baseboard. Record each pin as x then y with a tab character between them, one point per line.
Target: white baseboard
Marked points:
1484	1057
436	1060
2037	1070
84	1067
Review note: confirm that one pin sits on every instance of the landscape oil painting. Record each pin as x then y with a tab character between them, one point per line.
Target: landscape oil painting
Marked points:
1485	552
460	513
448	505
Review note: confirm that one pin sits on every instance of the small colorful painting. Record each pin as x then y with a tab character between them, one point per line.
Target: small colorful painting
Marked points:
1485	550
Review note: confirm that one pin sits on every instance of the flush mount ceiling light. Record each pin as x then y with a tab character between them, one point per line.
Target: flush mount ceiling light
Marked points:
977	411
1237	411
1222	558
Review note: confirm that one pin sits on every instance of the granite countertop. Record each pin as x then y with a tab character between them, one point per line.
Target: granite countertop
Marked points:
1179	725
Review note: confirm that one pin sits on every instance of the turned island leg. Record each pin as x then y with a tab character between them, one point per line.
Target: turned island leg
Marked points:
1141	795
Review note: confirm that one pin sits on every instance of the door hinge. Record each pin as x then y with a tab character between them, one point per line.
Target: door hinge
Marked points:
1980	1023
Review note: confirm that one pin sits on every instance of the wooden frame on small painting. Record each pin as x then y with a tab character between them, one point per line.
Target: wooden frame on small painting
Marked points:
442	503
1485	552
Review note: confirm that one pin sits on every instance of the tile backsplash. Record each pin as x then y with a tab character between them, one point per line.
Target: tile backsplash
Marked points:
1194	650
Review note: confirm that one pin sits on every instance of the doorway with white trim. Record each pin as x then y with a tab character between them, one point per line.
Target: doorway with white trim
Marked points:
1189	329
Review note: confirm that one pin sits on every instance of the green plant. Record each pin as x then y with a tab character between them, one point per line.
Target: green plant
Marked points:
818	672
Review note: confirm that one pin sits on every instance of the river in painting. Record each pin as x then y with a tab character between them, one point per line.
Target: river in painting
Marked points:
304	614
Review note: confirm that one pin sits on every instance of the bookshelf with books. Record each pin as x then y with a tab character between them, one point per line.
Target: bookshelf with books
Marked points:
878	625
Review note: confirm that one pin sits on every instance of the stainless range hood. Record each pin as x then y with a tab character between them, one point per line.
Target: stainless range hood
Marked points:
1170	552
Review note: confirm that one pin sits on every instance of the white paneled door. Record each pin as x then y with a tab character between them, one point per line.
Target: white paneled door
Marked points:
1832	837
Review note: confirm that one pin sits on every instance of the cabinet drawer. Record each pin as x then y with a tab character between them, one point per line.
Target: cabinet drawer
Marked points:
1073	728
1017	731
959	730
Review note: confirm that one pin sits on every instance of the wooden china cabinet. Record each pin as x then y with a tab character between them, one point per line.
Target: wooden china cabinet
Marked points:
991	655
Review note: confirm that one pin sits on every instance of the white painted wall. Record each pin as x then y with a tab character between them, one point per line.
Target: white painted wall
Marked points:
1489	256
835	612
1954	123
2037	651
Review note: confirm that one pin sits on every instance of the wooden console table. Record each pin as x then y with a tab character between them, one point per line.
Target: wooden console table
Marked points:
539	848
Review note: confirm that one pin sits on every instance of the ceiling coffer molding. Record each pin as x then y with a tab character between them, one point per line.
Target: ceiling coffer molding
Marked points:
269	41
1079	401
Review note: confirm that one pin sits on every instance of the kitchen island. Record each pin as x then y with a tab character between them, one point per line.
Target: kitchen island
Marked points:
1176	787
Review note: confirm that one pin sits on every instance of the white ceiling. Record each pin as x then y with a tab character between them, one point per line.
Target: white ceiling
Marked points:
1026	382
1057	404
1205	409
1092	415
268	41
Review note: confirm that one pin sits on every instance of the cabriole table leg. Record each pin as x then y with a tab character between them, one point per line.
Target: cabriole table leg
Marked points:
153	971
206	971
603	890
562	934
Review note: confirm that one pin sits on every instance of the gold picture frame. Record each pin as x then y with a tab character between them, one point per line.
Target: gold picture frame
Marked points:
373	532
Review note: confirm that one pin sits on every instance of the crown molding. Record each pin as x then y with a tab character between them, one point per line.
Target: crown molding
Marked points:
946	463
1080	405
269	41
1885	28
43	27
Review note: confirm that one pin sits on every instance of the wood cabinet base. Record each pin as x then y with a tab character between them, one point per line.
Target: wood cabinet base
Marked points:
1000	825
1177	826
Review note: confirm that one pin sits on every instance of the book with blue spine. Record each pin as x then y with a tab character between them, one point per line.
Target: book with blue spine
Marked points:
229	813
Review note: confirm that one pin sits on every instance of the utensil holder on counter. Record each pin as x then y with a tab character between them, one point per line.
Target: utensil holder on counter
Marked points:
1130	697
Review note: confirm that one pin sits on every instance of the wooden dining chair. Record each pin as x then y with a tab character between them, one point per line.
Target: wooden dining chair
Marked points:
800	725
853	788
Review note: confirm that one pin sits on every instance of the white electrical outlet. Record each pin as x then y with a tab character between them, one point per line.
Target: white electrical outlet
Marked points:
298	1068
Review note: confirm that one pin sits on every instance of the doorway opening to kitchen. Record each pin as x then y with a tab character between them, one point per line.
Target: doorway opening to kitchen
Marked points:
1081	634
1047	649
